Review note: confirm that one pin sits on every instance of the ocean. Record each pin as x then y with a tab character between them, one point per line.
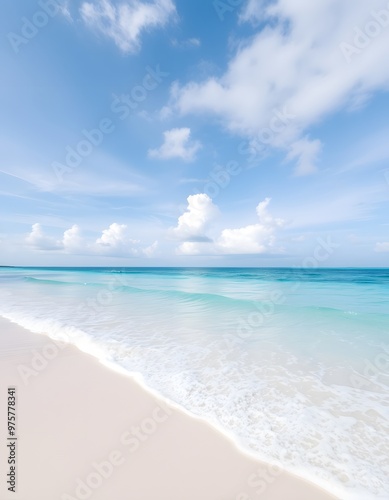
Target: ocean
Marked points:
293	364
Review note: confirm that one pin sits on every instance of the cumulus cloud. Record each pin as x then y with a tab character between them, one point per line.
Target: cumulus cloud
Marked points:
256	238
40	241
253	239
297	61
194	248
125	22
177	144
194	222
72	240
382	247
115	241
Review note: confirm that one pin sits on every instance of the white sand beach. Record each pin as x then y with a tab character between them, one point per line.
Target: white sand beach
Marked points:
86	431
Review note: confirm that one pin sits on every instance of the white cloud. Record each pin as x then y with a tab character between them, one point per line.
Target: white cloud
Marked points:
193	224
306	153
72	240
382	247
40	241
294	61
150	250
165	113
253	239
115	237
194	42
188	43
65	10
115	241
126	22
195	248
177	144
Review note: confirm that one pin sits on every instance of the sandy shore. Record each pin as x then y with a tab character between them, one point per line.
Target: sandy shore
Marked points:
85	431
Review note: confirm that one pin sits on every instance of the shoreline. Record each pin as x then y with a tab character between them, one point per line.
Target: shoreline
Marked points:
73	382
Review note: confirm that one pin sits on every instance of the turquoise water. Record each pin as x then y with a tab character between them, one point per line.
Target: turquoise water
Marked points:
294	364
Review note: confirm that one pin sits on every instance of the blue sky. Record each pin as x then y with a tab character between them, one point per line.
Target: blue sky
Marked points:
179	132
